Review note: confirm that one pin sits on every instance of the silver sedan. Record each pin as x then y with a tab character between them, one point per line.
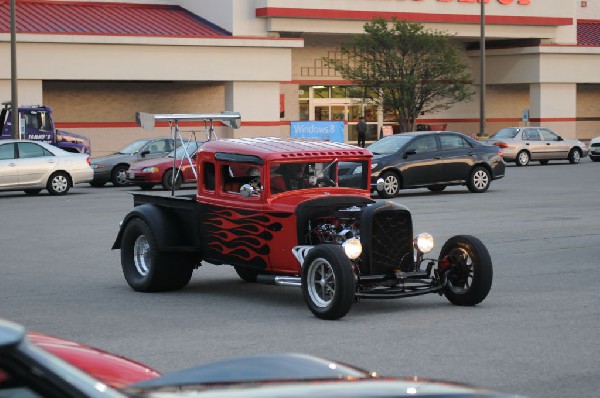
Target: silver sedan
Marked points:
31	166
524	144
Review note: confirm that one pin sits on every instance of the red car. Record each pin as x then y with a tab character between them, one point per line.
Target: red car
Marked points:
34	364
148	173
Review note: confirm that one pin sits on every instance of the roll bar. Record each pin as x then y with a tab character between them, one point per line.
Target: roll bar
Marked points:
147	121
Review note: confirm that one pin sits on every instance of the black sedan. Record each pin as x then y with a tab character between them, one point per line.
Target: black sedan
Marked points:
433	160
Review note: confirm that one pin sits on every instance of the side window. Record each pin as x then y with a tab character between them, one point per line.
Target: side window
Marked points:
236	175
32	120
31	150
531	135
450	141
7	151
209	176
45	124
424	144
548	135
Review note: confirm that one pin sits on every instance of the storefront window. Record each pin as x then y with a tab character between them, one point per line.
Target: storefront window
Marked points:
321	113
355	111
338	113
303	91
339	91
304	110
321	91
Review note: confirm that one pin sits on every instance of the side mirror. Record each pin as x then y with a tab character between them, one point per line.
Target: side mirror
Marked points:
410	152
144	153
559	138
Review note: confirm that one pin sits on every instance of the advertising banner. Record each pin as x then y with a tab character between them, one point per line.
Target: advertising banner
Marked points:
323	130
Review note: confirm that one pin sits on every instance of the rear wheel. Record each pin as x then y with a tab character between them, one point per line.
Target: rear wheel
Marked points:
328	282
466	270
574	156
119	175
391	185
479	180
145	268
58	184
167	180
522	158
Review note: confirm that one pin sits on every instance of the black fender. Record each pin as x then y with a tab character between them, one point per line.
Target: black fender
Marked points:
173	230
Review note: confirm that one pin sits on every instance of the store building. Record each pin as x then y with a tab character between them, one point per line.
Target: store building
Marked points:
97	63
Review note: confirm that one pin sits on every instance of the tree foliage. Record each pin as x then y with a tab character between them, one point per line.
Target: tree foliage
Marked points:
414	70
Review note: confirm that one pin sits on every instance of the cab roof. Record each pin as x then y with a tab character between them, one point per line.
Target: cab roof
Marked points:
284	149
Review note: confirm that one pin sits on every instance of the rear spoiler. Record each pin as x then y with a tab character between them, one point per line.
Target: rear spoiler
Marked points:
148	121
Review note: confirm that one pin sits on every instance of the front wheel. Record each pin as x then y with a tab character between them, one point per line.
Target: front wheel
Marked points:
58	184
466	270
479	180
328	282
145	268
391	185
522	158
574	156
119	176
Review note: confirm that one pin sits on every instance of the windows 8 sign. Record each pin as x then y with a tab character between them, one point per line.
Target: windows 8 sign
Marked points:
325	130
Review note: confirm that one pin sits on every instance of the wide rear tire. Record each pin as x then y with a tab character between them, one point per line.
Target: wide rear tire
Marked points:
145	268
468	278
328	282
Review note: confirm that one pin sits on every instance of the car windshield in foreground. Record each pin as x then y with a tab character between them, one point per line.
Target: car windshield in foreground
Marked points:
192	147
388	145
134	147
506	133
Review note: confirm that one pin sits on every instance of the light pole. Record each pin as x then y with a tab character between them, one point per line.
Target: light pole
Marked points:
13	70
482	71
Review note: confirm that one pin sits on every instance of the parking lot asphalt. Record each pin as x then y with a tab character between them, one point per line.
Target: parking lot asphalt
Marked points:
536	334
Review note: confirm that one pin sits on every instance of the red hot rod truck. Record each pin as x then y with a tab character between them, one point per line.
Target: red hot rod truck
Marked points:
293	213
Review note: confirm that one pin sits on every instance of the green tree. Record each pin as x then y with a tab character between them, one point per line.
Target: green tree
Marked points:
414	70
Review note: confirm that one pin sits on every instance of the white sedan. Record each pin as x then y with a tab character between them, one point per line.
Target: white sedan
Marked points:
595	149
31	166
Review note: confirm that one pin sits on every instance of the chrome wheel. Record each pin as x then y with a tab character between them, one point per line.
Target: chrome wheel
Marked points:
321	283
460	282
522	158
121	177
142	258
480	179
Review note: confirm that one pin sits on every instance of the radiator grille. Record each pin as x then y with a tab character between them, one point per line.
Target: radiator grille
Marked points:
391	245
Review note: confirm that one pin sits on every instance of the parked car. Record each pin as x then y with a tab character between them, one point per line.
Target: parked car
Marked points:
524	144
595	149
148	173
293	375
32	166
37	365
113	168
433	160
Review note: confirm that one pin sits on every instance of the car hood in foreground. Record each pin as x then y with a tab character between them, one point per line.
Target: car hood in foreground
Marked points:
113	370
293	375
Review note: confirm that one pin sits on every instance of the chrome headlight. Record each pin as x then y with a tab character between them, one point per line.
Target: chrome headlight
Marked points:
352	248
150	170
423	242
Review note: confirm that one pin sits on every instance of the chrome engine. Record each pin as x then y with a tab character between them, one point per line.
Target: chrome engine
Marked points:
337	228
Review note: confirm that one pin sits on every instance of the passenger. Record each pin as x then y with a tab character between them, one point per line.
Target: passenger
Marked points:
288	177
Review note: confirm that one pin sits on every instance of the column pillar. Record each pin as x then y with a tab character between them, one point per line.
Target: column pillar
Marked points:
554	105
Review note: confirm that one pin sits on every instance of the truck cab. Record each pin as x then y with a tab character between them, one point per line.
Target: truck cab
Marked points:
36	123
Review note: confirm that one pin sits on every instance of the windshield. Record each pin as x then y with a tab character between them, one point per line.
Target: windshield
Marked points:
134	147
192	147
389	145
506	133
